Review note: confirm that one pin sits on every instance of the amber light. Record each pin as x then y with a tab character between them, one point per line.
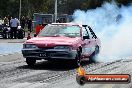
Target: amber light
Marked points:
81	71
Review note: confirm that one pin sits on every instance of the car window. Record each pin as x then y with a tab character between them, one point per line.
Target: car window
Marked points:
70	31
87	33
60	30
90	35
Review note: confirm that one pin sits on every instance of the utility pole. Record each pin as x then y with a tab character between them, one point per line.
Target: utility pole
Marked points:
55	10
20	10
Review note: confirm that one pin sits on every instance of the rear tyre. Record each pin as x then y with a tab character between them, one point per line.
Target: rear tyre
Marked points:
30	61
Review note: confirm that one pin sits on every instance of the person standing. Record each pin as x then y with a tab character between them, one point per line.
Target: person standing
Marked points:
6	21
14	23
29	24
9	18
23	21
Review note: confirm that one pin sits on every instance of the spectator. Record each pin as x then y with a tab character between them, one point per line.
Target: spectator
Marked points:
23	22
6	21
29	24
1	21
14	23
9	18
1	24
58	21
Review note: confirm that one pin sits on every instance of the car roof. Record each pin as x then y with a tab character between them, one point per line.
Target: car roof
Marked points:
74	24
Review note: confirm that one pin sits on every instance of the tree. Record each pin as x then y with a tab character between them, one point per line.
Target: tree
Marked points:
11	7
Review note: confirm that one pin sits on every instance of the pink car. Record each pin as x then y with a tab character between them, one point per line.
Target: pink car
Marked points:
62	41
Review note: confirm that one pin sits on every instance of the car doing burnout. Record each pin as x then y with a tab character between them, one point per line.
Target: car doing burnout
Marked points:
62	41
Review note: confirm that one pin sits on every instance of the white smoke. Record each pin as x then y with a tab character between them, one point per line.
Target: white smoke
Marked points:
113	25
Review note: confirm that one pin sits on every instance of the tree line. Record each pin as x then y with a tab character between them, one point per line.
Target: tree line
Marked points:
11	7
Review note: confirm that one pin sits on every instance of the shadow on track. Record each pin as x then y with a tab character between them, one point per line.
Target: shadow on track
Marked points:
54	65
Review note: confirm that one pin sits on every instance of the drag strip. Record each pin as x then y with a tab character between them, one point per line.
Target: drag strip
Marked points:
17	74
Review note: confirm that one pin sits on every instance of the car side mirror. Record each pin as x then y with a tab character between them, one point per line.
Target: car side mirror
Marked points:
85	37
35	35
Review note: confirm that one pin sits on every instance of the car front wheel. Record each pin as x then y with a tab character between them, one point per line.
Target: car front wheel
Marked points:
78	58
30	61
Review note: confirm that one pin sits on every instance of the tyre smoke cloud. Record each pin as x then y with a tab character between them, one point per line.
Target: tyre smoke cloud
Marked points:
113	26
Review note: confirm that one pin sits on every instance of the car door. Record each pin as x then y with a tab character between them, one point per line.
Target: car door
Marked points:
87	43
93	38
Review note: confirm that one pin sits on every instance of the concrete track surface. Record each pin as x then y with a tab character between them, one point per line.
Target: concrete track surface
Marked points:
14	73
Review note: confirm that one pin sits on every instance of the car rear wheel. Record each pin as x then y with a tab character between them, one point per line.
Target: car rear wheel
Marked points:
30	61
